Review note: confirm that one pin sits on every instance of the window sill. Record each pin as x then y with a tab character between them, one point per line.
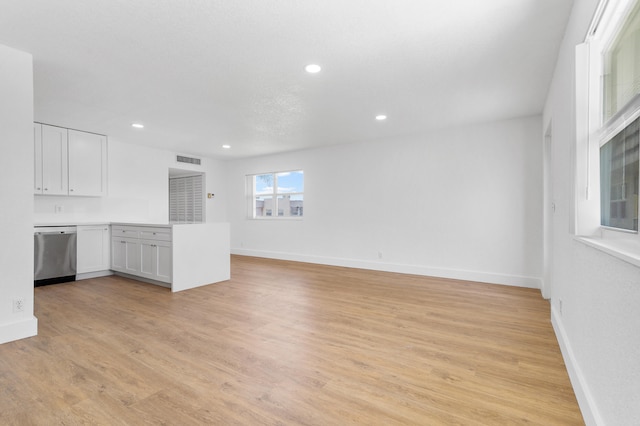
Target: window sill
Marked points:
623	249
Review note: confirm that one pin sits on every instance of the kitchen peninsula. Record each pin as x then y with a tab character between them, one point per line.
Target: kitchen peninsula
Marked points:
176	256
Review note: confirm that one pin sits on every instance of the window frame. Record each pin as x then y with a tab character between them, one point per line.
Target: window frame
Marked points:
611	22
593	132
252	196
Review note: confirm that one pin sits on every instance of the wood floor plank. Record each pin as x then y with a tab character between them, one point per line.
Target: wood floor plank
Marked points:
286	343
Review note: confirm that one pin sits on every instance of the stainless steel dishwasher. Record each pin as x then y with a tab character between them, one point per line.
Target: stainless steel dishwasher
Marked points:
54	254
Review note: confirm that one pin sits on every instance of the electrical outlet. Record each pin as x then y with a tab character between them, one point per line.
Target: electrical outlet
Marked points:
560	306
379	254
58	208
18	305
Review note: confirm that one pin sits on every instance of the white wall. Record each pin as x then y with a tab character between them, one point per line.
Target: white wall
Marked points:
599	325
138	179
462	203
16	183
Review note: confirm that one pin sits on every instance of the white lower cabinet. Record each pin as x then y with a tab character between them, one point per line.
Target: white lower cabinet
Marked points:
93	249
144	252
155	260
125	255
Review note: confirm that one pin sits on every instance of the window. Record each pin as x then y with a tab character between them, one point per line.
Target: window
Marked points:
277	195
607	117
186	199
619	177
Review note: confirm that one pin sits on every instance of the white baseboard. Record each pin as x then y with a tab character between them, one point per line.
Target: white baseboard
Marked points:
25	327
580	388
89	275
457	274
143	279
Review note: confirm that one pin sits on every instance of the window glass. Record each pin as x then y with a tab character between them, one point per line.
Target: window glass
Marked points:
263	206
296	203
289	182
263	184
622	66
619	160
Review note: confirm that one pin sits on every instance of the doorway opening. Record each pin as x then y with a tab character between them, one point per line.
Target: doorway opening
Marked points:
186	196
548	215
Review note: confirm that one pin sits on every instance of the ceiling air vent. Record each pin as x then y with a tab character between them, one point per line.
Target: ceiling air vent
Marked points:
189	160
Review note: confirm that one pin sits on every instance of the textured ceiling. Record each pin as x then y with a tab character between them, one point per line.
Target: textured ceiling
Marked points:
203	73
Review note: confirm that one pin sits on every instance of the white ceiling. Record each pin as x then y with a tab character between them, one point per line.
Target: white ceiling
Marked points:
203	73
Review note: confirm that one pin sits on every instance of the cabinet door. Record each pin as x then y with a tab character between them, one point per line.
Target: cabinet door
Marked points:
164	260
125	256
37	158
132	257
155	260
87	164
147	259
118	254
93	248
55	180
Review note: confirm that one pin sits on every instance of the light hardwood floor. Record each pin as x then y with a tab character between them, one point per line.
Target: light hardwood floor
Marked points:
286	343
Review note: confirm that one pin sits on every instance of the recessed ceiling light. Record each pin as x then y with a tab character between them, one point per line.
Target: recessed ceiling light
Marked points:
381	117
312	68
226	146
138	125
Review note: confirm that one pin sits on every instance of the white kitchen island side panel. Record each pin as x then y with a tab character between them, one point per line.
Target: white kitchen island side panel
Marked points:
201	255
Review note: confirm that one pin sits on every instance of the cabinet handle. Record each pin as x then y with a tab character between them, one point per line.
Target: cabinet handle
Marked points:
38	189
46	189
123	242
71	190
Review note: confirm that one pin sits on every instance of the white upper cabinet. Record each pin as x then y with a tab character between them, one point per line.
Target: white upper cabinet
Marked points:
69	162
87	164
55	180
